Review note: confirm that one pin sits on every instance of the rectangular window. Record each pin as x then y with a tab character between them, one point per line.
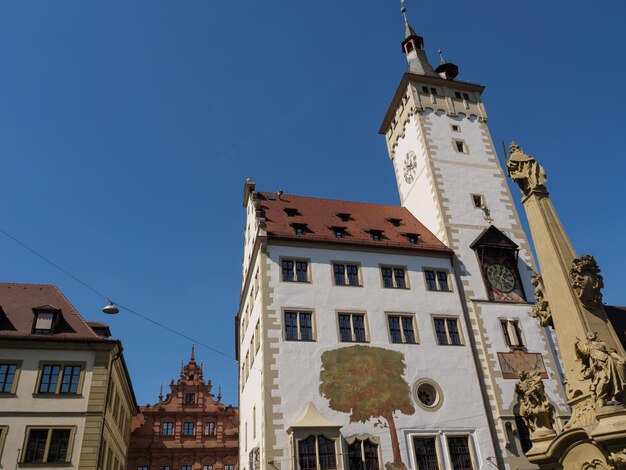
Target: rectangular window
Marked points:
512	333
229	467
317	452
60	378
460	146
142	468
209	429
295	270
185	467
460	456
43	322
401	329
377	235
207	467
190	398
346	274
436	280
393	277
352	327
47	445
167	428
413	238
447	331
7	377
425	89
339	232
164	467
298	326
426	453
456	128
300	229
478	201
188	428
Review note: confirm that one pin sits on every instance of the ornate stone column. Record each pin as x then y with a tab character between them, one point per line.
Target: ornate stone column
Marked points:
570	300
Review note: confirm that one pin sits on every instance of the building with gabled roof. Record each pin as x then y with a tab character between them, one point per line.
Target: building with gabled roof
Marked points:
187	429
65	394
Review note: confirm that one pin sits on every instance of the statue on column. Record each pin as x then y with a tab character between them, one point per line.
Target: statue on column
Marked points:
605	369
586	281
535	409
541	309
525	171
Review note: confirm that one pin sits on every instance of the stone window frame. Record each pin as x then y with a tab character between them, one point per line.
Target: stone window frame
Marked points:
352	312
458	325
458	128
212	429
304	433
393	267
427	381
309	276
519	333
471	444
345	265
16	377
172	429
70	446
439	451
413	317
4	430
57	393
364	437
436	271
182	430
455	146
299	310
442	448
483	201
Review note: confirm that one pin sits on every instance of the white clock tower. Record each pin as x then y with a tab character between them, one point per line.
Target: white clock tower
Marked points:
449	177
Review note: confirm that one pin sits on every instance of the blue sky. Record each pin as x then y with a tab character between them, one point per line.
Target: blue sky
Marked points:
127	130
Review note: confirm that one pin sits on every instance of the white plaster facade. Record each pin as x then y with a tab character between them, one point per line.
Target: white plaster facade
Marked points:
25	408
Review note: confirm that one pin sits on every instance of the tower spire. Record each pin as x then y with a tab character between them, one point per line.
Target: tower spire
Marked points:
413	48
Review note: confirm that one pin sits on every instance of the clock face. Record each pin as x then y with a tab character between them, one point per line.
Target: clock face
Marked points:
501	277
410	166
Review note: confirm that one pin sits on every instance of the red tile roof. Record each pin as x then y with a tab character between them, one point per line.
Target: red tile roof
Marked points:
321	216
17	302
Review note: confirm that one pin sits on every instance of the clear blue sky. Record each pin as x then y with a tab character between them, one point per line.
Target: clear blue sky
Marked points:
127	130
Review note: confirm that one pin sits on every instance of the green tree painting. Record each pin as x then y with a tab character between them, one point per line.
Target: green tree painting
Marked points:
367	382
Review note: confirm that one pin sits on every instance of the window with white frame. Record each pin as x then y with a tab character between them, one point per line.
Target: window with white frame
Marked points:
425	448
447	331
167	428
209	428
298	325
402	328
317	452
437	280
352	327
294	270
459	451
394	277
512	333
189	428
456	454
346	274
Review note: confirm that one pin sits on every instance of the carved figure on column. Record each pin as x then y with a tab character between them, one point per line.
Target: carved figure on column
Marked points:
605	369
525	171
586	281
618	459
541	309
535	409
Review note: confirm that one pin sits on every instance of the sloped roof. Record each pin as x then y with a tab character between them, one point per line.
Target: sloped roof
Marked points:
19	302
493	237
321	217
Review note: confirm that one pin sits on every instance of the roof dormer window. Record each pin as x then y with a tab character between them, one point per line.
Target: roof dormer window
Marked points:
344	216
394	222
300	229
339	232
413	238
291	211
45	321
377	235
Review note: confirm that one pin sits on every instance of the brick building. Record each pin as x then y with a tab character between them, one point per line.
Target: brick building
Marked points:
187	429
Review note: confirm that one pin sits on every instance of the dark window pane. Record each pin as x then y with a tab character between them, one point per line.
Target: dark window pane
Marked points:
345	333
387	277
59	442
394	329
505	330
407	326
36	445
71	376
190	398
440	331
518	334
49	379
442	277
353	274
431	283
167	429
425	453
287	270
326	447
306	453
188	429
370	451
399	275
355	461
358	325
306	327
7	375
301	271
291	325
453	331
459	453
523	434
340	278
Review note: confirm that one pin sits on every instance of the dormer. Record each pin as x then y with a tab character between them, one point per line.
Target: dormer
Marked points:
46	319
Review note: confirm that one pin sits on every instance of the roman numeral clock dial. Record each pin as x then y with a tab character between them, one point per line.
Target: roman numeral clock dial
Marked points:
410	166
501	277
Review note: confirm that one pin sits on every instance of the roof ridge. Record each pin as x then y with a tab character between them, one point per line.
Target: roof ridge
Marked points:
75	310
338	200
26	284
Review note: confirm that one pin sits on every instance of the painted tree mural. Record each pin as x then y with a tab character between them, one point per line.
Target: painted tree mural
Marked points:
367	382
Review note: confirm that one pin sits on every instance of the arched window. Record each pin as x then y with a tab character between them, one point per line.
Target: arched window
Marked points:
363	455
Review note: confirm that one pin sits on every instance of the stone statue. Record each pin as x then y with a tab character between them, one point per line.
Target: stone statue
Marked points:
534	408
584	275
525	171
604	367
541	309
618	459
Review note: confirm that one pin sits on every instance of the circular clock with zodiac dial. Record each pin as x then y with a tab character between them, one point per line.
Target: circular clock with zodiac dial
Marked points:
501	277
410	166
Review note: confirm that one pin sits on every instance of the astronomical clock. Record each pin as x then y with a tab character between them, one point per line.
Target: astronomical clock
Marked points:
497	256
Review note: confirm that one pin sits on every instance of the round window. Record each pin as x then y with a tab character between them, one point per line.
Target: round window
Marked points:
427	394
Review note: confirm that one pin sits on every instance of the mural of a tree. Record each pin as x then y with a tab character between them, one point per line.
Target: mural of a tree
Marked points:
367	382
